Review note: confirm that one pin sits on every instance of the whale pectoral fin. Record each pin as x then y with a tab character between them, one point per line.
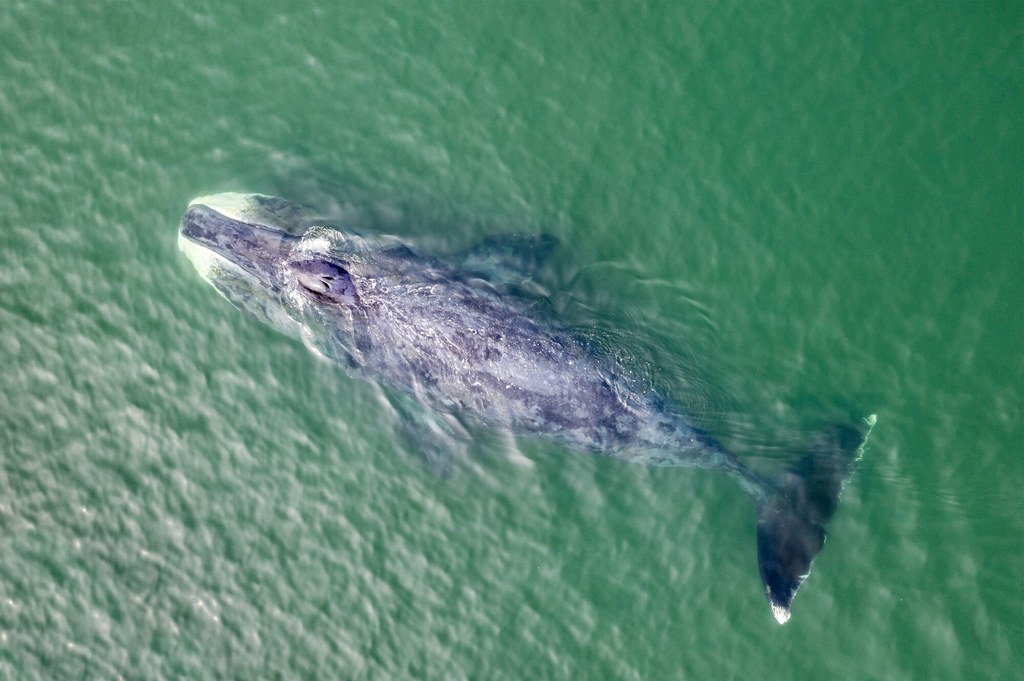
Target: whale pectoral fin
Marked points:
436	441
508	259
438	438
791	521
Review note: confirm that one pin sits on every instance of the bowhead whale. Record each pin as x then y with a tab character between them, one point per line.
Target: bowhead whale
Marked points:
455	336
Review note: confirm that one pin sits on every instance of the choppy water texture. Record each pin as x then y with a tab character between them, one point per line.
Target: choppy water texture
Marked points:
777	213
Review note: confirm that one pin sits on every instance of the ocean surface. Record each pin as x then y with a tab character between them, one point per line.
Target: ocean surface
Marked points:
780	214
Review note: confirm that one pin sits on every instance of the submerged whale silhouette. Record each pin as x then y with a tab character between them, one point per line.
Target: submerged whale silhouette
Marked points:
455	337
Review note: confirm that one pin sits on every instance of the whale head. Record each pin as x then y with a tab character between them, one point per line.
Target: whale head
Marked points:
270	258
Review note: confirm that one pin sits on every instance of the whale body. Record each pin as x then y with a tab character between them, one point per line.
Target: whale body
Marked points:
457	338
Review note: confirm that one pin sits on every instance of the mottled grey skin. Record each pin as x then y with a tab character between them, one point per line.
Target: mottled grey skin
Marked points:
460	343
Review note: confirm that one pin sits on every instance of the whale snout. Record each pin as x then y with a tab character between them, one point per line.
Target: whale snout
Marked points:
256	249
234	244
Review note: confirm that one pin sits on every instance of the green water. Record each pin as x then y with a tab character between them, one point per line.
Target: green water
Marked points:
778	213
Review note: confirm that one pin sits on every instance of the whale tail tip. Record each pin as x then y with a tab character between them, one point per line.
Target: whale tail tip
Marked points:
791	519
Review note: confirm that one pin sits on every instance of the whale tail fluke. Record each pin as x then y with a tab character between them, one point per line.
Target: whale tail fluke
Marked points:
791	519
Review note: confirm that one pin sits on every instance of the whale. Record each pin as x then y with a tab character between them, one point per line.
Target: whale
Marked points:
462	342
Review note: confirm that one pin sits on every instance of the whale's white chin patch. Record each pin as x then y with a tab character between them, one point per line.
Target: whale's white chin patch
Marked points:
259	209
208	264
241	207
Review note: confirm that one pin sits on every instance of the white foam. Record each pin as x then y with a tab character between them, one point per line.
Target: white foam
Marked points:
781	614
317	244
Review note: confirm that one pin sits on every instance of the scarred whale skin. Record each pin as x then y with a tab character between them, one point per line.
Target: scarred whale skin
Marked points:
452	335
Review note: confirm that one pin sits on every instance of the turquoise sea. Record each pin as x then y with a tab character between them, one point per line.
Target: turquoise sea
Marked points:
777	213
